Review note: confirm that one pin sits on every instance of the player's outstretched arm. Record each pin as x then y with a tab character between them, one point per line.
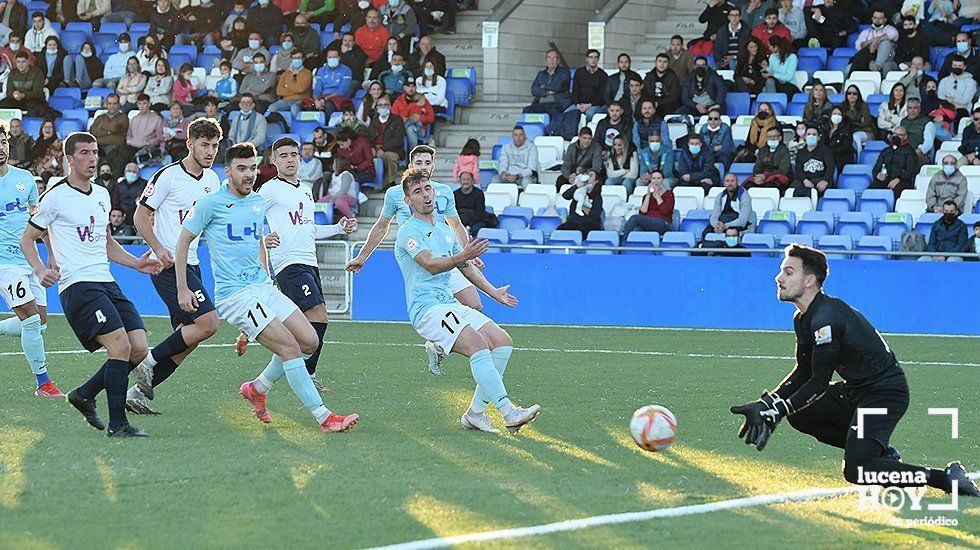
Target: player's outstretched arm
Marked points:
143	264
374	238
462	236
436	265
27	240
345	225
143	220
475	276
186	298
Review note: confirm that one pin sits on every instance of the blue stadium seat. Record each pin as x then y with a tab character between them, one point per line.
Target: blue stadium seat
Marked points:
969	220
874	101
737	104
818	53
840	58
678	239
877	202
462	82
564	237
923	225
873	242
514	218
112	28
855	182
827	243
976	208
84	27
379	170
810	65
837	201
869	155
526	237
147	172
78	114
37	5
323	216
207	60
73	40
759	240
893	224
696	220
32	126
938	55
601	238
178	59
68	92
795	109
182	49
60	103
64	126
545	224
495	236
778	106
104	39
787	240
139	27
778	223
304	129
741	170
641	239
816	224
855	225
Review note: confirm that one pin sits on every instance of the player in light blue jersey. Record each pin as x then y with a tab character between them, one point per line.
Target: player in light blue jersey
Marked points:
19	285
395	207
427	251
231	221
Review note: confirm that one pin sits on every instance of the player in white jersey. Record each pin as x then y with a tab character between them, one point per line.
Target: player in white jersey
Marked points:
423	158
169	196
289	211
19	285
75	212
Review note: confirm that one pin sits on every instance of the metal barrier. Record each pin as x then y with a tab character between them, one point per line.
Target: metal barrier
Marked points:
331	257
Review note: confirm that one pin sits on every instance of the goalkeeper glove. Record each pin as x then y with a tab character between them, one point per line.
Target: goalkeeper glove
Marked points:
761	418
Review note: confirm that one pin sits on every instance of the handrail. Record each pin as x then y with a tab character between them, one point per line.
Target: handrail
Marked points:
608	11
502	10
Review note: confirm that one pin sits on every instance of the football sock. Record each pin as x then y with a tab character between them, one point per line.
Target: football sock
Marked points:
116	374
93	385
500	357
33	346
489	383
321	413
321	329
10	326
477	404
171	346
163	370
272	374
299	381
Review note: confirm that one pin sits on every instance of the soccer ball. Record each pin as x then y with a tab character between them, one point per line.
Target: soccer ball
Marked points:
653	428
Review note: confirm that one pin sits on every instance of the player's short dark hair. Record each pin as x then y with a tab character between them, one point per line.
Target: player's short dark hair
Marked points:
3	130
814	261
204	128
412	176
420	149
284	142
74	139
244	150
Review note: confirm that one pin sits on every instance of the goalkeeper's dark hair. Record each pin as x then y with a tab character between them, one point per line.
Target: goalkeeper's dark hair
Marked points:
420	150
814	261
411	177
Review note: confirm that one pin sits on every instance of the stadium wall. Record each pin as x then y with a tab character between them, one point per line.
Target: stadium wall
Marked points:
658	291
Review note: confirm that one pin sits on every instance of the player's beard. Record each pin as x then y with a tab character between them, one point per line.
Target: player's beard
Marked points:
3	157
202	161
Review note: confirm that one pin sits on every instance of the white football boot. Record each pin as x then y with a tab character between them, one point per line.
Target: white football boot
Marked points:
480	422
436	355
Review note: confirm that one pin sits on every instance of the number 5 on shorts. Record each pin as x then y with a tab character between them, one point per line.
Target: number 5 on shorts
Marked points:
201	298
450	322
261	314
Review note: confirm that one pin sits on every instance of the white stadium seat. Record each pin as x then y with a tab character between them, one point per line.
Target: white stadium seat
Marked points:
509	188
498	201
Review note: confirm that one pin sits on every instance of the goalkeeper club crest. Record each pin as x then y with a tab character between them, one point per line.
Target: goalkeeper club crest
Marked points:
823	335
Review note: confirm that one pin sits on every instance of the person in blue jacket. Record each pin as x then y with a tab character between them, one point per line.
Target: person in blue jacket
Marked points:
717	137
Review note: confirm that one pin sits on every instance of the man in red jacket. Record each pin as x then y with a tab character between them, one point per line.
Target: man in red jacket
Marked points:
771	27
357	150
416	110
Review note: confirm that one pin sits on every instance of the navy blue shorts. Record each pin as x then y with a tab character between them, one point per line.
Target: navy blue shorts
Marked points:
301	284
166	285
98	308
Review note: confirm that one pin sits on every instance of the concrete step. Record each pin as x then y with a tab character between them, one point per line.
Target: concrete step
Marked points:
688	28
470	22
454	139
496	117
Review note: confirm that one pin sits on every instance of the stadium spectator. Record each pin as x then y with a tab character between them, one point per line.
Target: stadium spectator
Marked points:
970	146
791	15
679	59
372	37
862	123
38	34
131	85
399	18
203	22
394	79
696	165
921	132
175	132
940	28
349	120
62	11
838	135
82	69
118	226
634	98
897	165
769	28
797	142
283	58
331	85
613	126
930	96
717	137
702	90
24	88
911	43
338	187
715	15
89	10
21	145
433	86
105	178
366	109
353	57
357	150
815	166
145	134
964	49
732	208
618	85
582	157
350	11
294	86
730	39
110	130
647	120
772	165
160	86
914	79
550	87
780	75
585	210
415	110
948	235
46	156
310	170
149	54
762	122
622	164
468	160
324	144
127	191
305	39
656	209
384	62
52	63
589	86
829	25
15	45
894	111
13	15
518	160
246	57
235	38
386	133
211	111
946	185
875	46
959	88
427	53
250	125
943	120
754	12
115	65
260	84
124	11
265	19
656	157
748	68
185	87
167	24
973	243
818	107
662	86
471	205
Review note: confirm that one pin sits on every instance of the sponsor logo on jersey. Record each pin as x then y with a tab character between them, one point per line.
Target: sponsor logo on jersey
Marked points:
14	206
87	233
185	215
823	335
411	244
296	216
236	234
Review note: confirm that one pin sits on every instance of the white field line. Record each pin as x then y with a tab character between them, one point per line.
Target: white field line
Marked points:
626	517
557	350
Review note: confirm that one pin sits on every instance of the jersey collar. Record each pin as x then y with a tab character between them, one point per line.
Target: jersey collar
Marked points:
184	168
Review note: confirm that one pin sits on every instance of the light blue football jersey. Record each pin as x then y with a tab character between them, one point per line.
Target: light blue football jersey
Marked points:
233	226
18	192
423	289
395	207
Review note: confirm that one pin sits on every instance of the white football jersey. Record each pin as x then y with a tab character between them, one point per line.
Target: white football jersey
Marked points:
76	224
289	211
170	194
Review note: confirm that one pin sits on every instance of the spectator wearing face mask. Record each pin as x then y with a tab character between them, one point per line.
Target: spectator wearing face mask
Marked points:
946	185
245	57
959	88
394	79
702	90
656	157
814	166
115	65
772	166
964	48
717	136
331	85
838	135
128	190
947	235
696	165
758	129
897	165
876	46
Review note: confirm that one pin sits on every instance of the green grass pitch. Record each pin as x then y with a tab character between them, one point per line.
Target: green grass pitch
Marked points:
212	476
